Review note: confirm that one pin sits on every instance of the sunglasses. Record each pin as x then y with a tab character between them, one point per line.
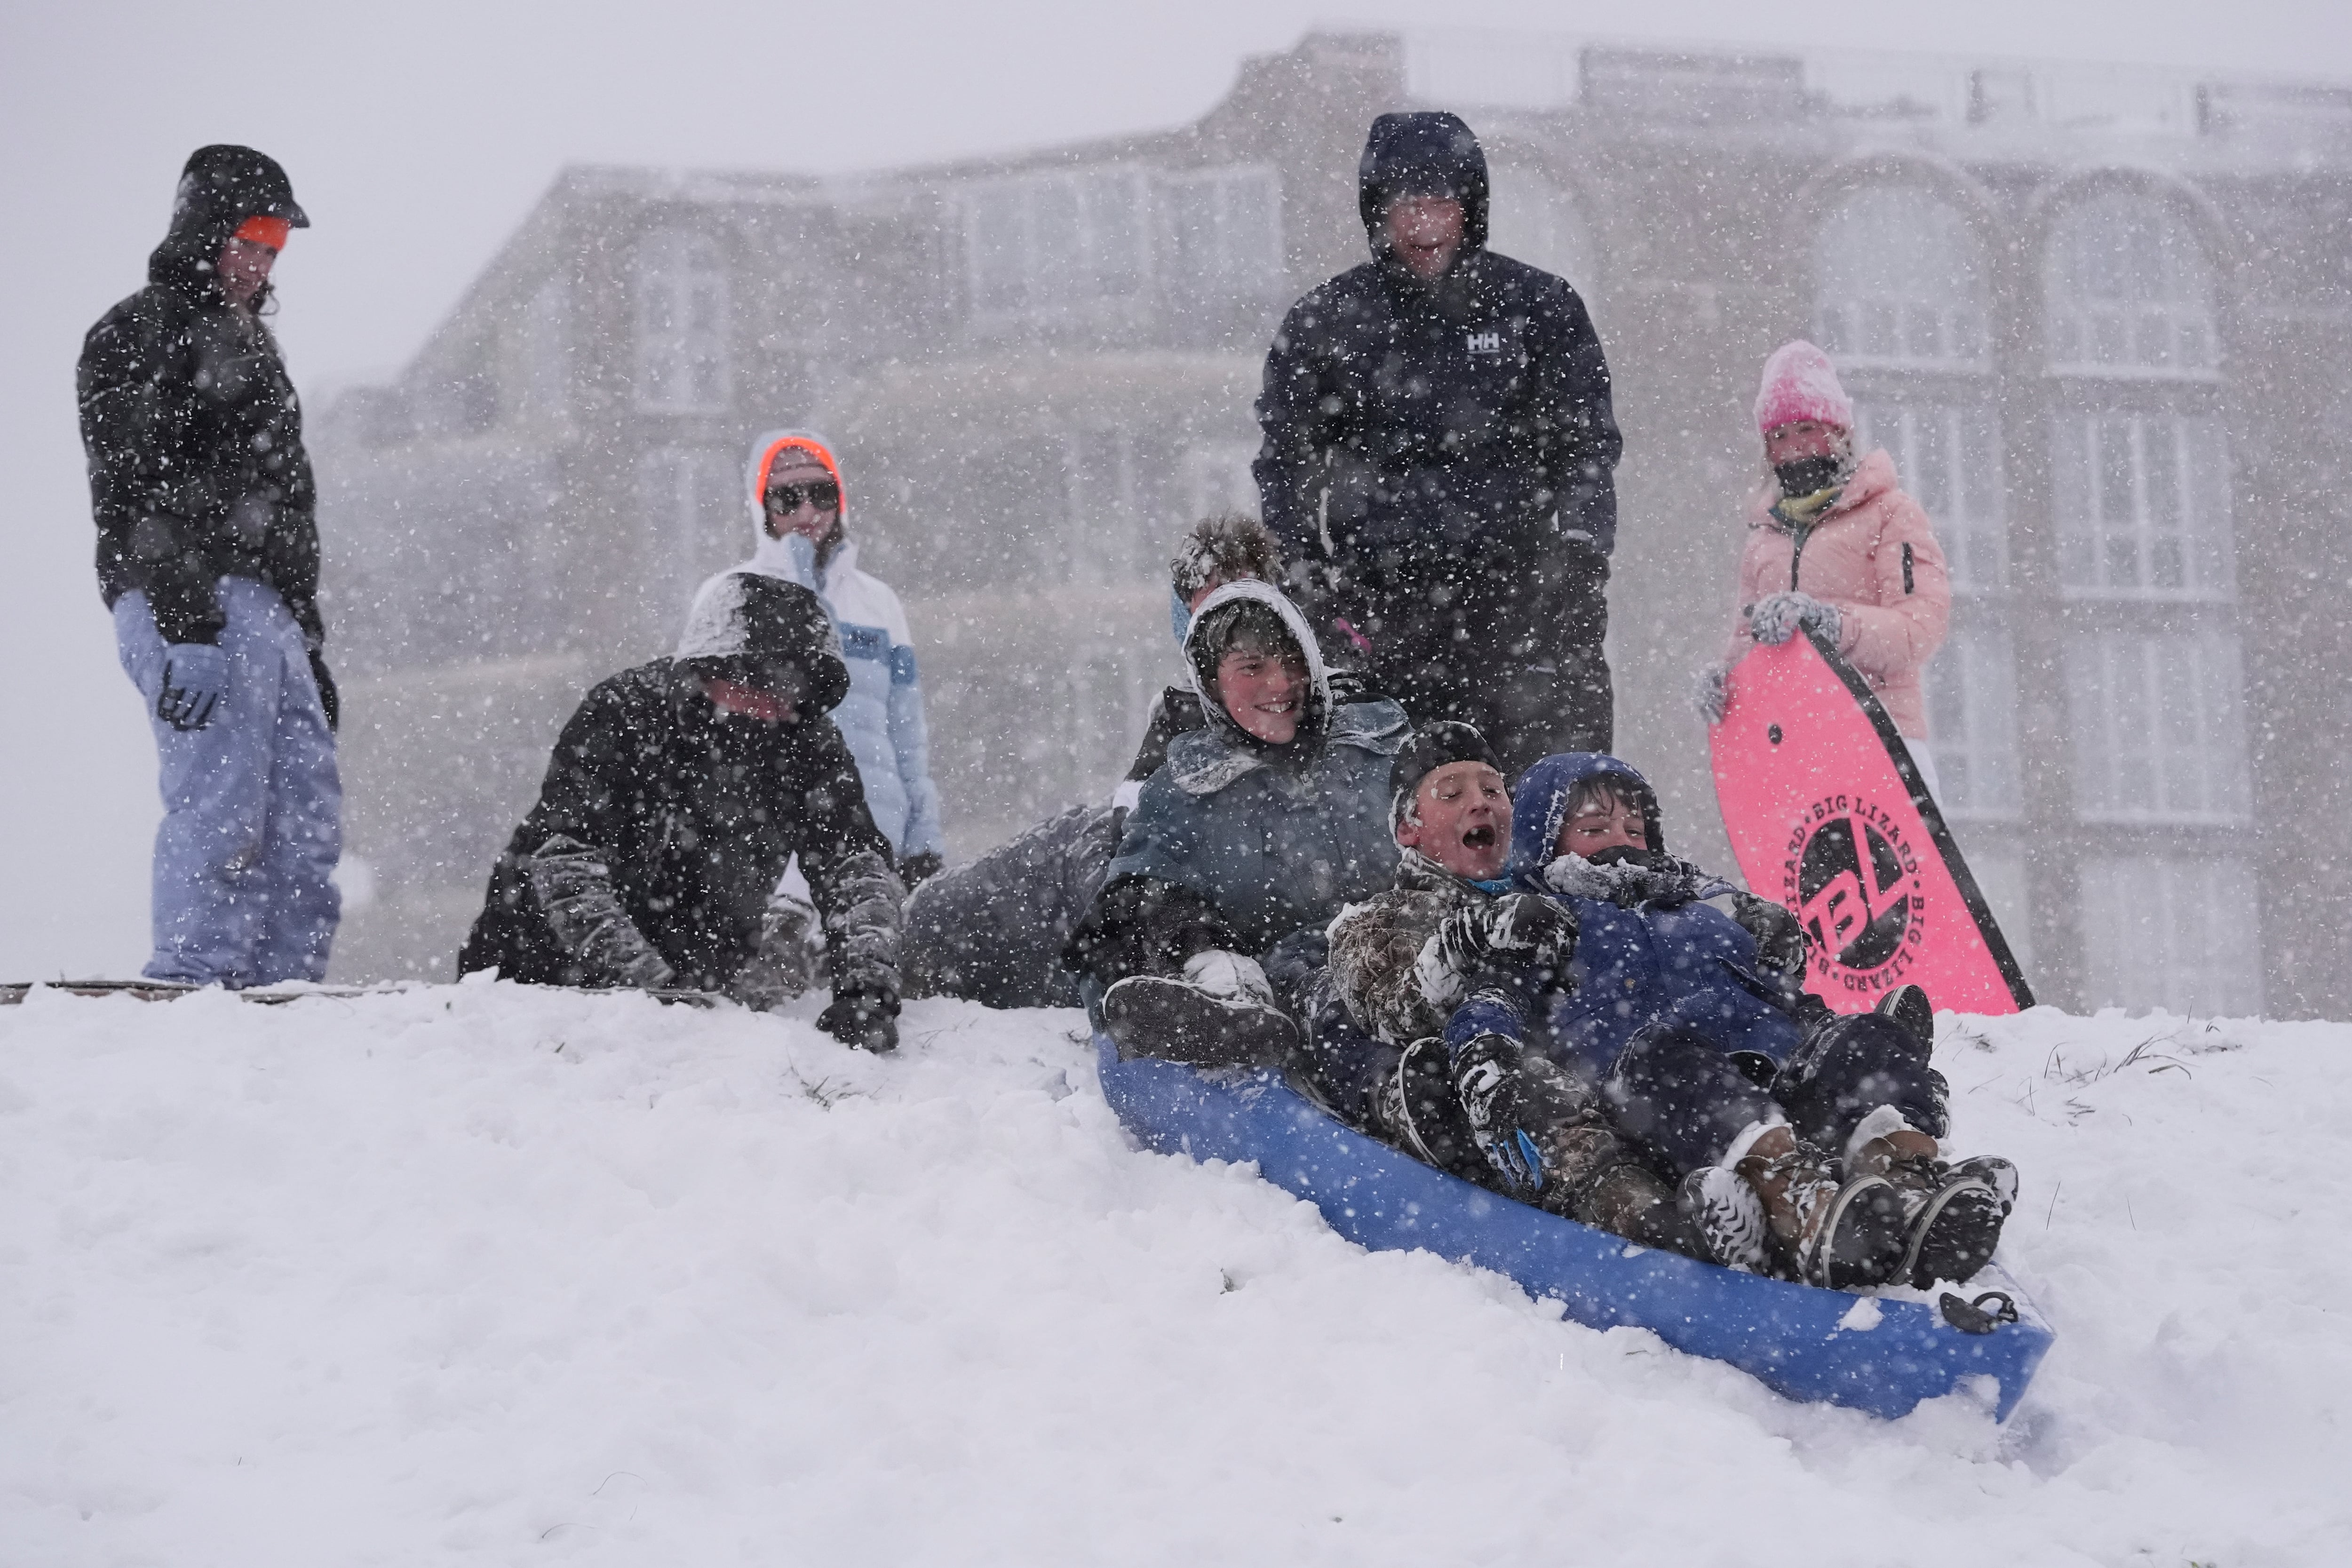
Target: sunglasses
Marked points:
823	495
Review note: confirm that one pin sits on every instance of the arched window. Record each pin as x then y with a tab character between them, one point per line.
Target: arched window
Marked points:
1530	219
1899	275
682	323
2128	289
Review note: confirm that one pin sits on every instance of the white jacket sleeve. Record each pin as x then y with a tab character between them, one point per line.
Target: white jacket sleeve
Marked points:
910	742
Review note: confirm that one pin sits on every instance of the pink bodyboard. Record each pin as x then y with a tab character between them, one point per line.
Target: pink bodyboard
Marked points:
1828	817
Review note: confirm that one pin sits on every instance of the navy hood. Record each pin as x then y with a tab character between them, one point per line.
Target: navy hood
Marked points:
221	185
1540	803
1425	153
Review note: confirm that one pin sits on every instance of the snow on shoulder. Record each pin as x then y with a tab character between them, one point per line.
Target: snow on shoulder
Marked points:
463	1273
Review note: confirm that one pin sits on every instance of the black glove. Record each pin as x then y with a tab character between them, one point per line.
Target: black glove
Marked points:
916	869
1518	930
865	1019
1513	1099
1782	948
196	679
329	698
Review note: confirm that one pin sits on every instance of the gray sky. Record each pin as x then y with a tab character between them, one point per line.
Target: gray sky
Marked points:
417	136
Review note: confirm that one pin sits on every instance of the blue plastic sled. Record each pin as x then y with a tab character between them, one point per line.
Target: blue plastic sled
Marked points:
1883	1354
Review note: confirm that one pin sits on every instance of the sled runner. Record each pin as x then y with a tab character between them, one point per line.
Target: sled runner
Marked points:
1828	816
1883	1354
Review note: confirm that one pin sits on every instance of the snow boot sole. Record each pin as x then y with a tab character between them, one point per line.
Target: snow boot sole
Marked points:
1953	1235
1861	1241
1174	1021
1726	1210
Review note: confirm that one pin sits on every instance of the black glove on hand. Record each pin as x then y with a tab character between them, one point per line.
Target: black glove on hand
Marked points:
329	698
1518	930
1782	948
1513	1099
195	684
865	1019
916	869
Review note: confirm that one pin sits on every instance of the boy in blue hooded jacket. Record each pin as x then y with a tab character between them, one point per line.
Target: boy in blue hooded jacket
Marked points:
1806	1142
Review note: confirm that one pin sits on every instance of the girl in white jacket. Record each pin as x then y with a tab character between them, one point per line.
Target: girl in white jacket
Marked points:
798	512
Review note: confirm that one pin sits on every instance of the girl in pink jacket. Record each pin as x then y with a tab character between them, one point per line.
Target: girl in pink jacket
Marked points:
1834	545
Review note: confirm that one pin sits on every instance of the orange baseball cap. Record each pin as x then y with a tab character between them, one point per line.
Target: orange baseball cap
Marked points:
268	231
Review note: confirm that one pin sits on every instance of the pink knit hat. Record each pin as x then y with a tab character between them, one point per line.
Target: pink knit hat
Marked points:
1799	383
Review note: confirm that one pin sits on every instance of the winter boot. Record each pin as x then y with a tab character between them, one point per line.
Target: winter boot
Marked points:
1952	1215
1633	1201
1416	1109
1221	1014
1726	1213
1909	1005
1849	1237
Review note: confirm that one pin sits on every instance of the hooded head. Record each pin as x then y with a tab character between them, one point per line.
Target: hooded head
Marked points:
758	631
1541	803
221	185
1245	615
1428	152
1218	549
769	552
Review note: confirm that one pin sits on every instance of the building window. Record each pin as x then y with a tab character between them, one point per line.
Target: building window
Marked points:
2182	935
2159	727
1103	541
1949	460
682	323
2129	290
2143	504
697	521
1900	275
547	350
1530	219
1972	724
1223	237
1057	245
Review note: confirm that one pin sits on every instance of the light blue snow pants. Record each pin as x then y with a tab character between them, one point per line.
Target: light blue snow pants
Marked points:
252	805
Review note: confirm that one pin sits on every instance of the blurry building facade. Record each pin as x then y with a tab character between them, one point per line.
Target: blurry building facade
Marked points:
2101	319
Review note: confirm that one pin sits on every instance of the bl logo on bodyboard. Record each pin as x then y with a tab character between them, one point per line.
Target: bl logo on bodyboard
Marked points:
1828	816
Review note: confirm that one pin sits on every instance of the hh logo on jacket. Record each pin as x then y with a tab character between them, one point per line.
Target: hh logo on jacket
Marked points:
1486	342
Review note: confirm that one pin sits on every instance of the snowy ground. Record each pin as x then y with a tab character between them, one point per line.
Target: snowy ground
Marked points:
473	1274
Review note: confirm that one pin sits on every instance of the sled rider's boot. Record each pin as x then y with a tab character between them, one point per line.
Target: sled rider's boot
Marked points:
1842	1236
1909	1005
1415	1108
1631	1200
1952	1214
1727	1213
1221	1014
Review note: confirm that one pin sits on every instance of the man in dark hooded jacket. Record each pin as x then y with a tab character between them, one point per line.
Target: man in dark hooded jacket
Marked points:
1438	454
208	556
676	796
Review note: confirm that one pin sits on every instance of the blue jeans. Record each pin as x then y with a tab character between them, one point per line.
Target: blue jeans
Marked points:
1684	1101
252	805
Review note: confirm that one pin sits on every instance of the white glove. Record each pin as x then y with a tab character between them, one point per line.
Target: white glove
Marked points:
1775	617
1230	977
1713	693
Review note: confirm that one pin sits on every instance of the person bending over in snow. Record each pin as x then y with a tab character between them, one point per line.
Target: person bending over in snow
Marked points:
993	931
1259	826
1402	960
675	797
1835	546
1805	1141
800	516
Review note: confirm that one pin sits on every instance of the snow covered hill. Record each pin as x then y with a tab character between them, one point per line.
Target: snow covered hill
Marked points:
473	1274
